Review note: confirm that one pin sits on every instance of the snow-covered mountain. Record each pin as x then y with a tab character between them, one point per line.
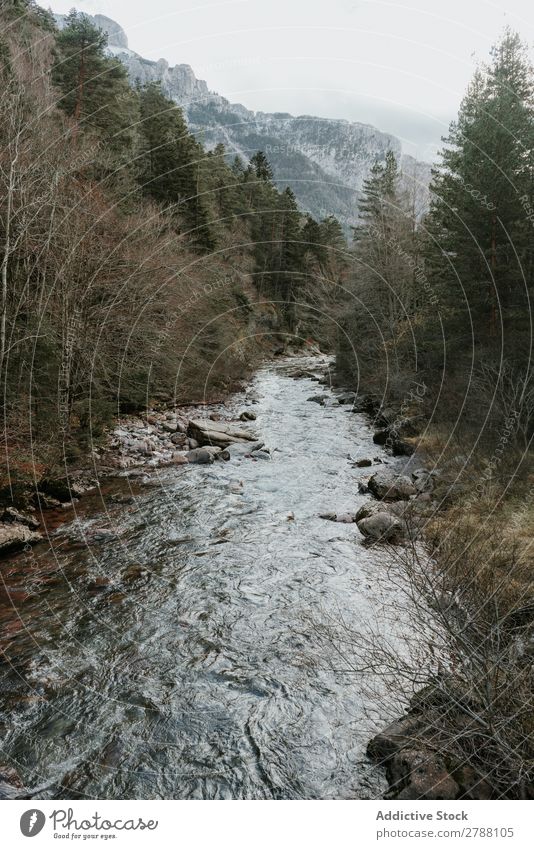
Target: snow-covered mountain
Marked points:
324	161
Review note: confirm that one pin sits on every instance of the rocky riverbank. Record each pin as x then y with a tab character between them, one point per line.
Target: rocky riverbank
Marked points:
428	752
136	446
139	447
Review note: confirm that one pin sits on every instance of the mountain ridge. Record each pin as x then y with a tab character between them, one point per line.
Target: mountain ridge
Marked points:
323	160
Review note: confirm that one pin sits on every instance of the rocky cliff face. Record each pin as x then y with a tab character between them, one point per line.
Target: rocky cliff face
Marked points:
324	161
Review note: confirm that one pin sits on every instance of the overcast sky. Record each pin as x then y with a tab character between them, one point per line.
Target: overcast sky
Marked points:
402	66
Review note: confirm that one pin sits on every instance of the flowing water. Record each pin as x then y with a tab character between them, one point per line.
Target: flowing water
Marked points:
178	657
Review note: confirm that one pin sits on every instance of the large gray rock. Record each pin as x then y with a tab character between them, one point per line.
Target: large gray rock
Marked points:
261	454
382	527
16	536
116	35
387	486
206	454
319	399
370	508
400	509
217	433
170	426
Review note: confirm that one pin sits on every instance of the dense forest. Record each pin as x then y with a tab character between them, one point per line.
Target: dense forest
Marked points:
136	265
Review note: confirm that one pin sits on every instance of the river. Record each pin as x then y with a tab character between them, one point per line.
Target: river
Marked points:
180	658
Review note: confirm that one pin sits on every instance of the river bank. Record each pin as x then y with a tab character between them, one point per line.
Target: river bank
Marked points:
465	729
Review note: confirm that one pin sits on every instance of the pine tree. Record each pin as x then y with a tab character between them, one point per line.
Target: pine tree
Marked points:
170	163
261	167
480	244
382	288
287	279
94	88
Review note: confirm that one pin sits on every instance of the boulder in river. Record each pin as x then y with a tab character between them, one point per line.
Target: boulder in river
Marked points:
206	454
247	416
13	535
387	486
343	518
261	454
319	399
217	434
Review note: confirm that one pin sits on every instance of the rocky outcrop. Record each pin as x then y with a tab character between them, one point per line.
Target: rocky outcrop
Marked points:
115	33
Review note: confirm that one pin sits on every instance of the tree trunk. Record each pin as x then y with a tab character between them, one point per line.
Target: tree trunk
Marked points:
7	252
79	98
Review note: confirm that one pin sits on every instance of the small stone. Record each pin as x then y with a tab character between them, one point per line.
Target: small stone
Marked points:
170	426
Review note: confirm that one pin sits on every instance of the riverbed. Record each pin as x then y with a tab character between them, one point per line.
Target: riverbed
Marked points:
166	642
